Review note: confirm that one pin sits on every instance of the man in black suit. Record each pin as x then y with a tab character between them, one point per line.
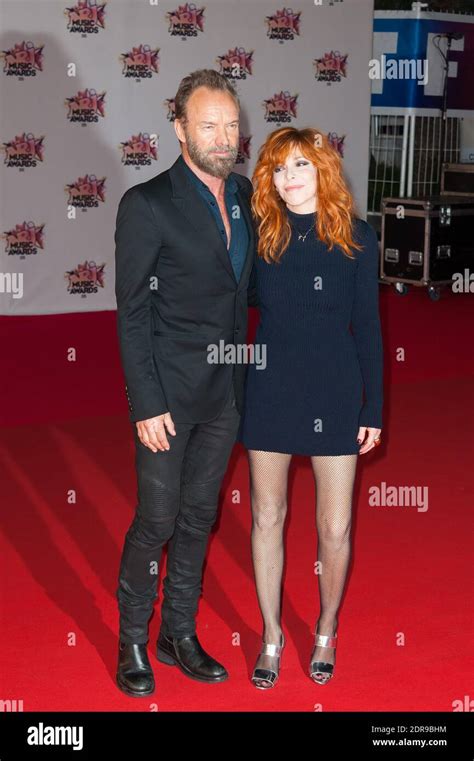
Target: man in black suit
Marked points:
185	247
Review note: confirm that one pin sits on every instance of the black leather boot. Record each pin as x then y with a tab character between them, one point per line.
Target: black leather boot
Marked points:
189	656
134	672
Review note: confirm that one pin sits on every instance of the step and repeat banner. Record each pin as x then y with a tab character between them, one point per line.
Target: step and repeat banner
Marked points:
87	92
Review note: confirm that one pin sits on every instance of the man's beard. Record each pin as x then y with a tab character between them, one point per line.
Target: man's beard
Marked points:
209	162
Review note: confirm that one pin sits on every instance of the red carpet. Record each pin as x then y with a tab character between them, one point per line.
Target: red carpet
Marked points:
405	626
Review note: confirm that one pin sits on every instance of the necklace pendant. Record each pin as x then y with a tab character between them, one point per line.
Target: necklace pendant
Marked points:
303	236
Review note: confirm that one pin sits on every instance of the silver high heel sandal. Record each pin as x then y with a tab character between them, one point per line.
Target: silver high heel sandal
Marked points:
264	678
321	671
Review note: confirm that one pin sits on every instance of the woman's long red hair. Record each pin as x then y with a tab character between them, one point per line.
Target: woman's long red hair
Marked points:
335	204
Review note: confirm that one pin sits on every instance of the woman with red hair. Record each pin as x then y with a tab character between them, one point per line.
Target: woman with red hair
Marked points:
316	276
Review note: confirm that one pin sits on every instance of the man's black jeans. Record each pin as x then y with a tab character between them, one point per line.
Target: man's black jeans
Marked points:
178	493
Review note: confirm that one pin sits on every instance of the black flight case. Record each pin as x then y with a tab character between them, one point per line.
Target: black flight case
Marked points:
426	241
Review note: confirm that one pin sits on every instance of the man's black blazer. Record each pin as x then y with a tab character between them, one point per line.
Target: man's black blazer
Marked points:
176	295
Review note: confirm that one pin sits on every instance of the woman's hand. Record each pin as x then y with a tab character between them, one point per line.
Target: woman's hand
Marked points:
372	434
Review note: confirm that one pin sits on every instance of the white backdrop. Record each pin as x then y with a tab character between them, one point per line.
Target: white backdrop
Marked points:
87	108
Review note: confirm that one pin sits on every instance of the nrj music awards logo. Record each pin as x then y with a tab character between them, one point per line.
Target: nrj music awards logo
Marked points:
139	150
86	106
169	103
140	63
331	67
281	107
186	21
235	64
24	150
283	25
86	192
85	279
24	240
85	17
22	60
337	142
244	149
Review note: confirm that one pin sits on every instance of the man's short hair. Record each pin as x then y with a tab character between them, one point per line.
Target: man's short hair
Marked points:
201	78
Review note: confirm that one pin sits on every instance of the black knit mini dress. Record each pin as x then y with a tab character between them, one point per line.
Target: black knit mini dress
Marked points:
319	375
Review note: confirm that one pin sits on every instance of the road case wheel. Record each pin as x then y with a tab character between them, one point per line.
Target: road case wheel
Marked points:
401	288
434	293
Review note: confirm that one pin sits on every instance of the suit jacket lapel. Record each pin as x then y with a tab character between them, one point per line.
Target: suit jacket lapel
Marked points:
196	212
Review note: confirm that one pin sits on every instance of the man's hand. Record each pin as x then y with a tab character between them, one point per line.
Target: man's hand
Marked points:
152	432
372	433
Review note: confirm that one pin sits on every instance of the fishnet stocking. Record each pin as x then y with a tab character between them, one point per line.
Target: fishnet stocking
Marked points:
334	478
268	492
